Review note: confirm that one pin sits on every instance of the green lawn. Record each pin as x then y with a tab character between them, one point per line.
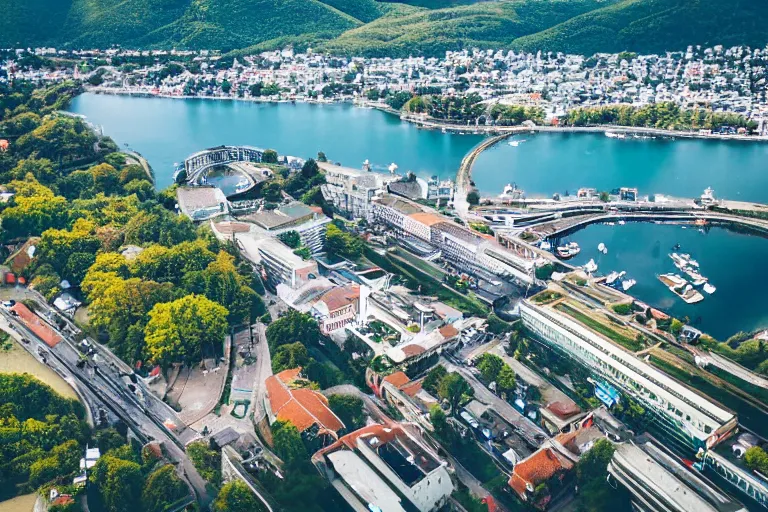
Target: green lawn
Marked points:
599	327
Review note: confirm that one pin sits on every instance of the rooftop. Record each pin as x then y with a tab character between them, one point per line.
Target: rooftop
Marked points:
281	216
192	199
302	407
538	468
35	324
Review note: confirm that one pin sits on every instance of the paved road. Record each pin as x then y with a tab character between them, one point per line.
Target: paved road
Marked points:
264	371
524	426
103	379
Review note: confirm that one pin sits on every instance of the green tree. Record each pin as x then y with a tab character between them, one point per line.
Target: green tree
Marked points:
349	409
505	380
288	443
473	198
289	356
206	461
179	330
595	493
235	496
162	488
269	156
489	365
452	388
119	482
291	238
432	381
757	459
340	243
291	327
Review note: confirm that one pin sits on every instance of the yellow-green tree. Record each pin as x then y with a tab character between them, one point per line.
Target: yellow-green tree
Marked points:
178	330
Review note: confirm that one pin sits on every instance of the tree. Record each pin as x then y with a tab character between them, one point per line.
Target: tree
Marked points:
291	238
235	496
604	197
595	493
473	198
310	169
349	409
757	459
289	356
432	381
269	156
490	365
287	441
162	488
291	327
437	418
505	380
452	388
179	330
206	461
119	482
321	157
338	242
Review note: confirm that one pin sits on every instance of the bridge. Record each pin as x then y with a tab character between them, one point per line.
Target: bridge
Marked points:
198	164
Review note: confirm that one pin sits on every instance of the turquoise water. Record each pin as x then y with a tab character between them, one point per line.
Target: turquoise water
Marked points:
548	163
167	130
732	261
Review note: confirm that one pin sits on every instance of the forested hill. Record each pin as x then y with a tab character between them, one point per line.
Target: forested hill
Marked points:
375	28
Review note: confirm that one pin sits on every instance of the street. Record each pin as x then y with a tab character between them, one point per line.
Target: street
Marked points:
102	383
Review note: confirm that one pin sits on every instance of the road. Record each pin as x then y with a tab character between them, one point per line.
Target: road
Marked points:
104	380
525	427
264	362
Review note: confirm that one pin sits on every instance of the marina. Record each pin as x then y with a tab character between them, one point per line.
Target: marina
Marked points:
731	261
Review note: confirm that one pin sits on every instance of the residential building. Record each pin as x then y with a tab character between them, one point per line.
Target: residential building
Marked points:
545	474
280	264
680	415
659	481
351	191
386	468
304	408
337	308
424	345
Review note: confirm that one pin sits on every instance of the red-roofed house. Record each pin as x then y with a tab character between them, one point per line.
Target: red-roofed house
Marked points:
337	308
306	409
533	478
35	324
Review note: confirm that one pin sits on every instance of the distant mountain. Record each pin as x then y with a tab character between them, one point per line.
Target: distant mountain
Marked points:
377	28
655	26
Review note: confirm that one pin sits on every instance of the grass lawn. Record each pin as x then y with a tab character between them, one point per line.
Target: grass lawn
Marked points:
597	326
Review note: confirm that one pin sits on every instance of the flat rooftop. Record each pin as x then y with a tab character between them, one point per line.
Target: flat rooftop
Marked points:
366	483
638	370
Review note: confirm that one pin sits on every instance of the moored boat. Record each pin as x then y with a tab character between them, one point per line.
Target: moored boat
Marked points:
709	288
568	250
627	284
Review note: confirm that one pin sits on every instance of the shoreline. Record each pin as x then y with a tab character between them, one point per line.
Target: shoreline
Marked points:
433	124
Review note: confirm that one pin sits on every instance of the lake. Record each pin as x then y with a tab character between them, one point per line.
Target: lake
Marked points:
732	261
166	130
548	163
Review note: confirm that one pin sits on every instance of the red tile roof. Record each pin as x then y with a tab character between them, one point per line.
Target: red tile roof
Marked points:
397	379
411	388
448	331
340	297
563	410
35	324
302	407
413	350
538	468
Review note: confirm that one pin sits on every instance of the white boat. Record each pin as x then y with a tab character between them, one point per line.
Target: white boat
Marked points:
242	185
613	277
697	279
601	247
515	143
691	261
681	288
610	223
621	223
629	283
709	288
591	266
545	245
612	135
568	250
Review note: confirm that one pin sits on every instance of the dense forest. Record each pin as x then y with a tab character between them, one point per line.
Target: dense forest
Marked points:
84	200
376	28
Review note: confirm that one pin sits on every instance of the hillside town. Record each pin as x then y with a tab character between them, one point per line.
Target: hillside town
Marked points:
717	78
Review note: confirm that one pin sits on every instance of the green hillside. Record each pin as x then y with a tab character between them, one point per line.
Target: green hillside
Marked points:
655	26
432	32
378	28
